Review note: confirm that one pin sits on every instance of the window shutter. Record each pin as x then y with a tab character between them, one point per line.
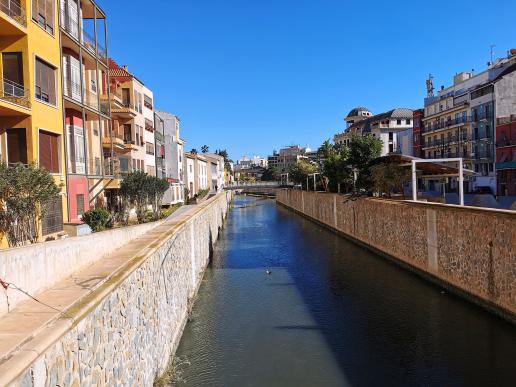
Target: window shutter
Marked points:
49	151
35	10
16	146
49	13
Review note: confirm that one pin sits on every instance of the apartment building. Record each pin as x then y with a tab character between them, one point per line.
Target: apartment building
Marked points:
460	122
159	138
505	108
91	168
417	120
148	133
31	108
286	157
133	121
195	173
384	126
215	171
172	146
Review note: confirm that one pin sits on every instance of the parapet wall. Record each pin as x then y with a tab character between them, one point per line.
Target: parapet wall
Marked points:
124	332
470	250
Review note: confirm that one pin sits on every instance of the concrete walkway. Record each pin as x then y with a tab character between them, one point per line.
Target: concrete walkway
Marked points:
28	329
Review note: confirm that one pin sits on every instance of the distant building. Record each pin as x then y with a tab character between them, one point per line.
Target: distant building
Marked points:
417	120
287	157
255	161
195	173
215	172
460	120
384	126
172	163
505	108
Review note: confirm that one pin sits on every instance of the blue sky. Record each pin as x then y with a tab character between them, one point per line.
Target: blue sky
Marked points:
254	75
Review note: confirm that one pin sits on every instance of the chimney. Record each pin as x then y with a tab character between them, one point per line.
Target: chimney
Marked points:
125	67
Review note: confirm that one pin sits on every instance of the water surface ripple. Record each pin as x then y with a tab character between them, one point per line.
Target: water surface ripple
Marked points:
330	314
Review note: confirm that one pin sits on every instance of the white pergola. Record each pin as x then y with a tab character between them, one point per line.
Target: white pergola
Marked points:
315	180
286	176
460	174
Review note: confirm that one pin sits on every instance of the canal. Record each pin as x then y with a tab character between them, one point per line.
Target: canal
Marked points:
329	314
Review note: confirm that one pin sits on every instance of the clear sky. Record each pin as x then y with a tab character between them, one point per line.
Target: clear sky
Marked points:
254	75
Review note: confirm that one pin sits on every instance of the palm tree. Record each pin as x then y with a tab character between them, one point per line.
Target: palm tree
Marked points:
205	148
194	151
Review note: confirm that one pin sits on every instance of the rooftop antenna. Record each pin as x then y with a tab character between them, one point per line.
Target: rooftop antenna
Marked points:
491	47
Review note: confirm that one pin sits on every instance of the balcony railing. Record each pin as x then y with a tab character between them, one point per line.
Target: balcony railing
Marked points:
159	136
112	167
104	107
91	99
88	41
506	142
430	127
15	11
102	52
14	93
95	167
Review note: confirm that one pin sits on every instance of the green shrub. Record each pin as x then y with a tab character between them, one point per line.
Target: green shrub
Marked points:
97	219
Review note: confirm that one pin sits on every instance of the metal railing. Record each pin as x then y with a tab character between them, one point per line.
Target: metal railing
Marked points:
430	127
88	42
102	52
14	93
91	99
505	142
15	11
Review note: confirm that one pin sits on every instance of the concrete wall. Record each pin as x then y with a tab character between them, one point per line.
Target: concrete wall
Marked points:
471	251
125	331
37	267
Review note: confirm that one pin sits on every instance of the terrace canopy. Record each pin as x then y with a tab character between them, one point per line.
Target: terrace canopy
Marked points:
430	169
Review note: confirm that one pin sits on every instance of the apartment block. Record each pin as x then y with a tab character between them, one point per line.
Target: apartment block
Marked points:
133	121
171	164
91	168
460	121
384	126
31	108
196	173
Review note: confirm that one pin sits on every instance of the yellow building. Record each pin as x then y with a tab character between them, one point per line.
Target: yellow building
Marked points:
31	111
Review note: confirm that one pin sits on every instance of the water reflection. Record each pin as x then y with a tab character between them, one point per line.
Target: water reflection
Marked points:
330	314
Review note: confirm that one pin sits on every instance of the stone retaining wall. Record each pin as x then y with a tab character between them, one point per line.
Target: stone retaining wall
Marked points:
37	267
126	330
472	251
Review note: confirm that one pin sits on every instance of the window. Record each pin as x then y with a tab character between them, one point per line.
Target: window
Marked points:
16	146
79	199
149	148
398	122
49	151
45	82
407	122
43	14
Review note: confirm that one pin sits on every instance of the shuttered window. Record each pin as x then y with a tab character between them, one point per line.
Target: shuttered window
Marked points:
49	151
45	82
16	146
43	13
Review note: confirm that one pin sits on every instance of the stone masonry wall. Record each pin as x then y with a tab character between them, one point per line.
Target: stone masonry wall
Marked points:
128	336
471	249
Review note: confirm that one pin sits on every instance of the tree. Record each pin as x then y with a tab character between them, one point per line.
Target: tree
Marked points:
205	149
389	178
25	195
141	190
300	171
270	174
335	166
363	150
194	151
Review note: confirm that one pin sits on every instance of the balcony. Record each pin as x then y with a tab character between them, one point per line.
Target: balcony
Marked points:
15	11
88	42
69	24
129	144
431	127
91	100
14	93
159	137
118	141
122	108
95	167
506	142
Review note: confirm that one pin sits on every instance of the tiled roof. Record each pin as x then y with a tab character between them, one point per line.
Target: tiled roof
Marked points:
116	71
